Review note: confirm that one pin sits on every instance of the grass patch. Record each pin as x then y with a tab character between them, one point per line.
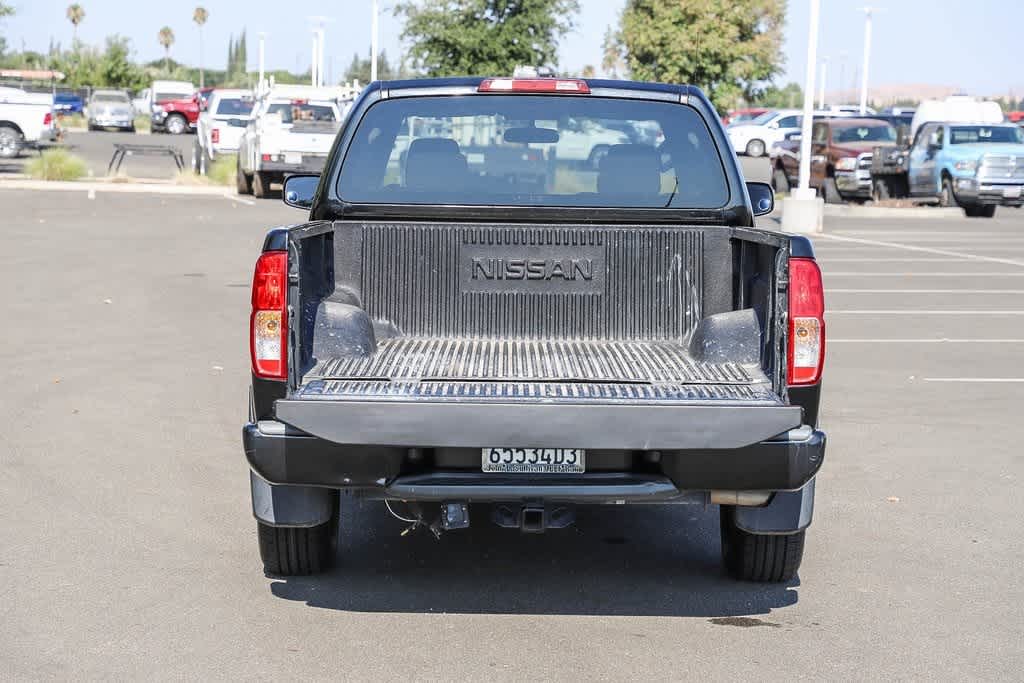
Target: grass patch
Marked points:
56	164
73	122
222	171
142	124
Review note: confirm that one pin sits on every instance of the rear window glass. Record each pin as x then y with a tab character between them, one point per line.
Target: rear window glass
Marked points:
234	107
961	135
529	150
301	111
111	97
864	133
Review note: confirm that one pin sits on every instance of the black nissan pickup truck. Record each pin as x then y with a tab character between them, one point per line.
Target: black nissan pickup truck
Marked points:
472	340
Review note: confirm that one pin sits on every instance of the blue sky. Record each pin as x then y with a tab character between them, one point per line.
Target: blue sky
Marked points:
973	46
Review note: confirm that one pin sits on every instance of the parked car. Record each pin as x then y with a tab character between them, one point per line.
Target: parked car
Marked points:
163	93
176	116
754	138
65	103
841	153
977	166
442	340
957	108
220	127
291	131
26	120
743	115
110	109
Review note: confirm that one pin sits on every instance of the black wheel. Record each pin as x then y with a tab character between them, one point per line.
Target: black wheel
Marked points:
10	142
260	185
947	197
831	192
755	148
880	189
780	181
176	124
597	155
131	130
752	557
297	552
980	211
243	183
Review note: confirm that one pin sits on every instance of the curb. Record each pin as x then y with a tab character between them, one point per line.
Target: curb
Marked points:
124	188
851	211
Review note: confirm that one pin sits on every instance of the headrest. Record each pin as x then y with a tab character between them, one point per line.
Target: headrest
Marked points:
434	164
630	169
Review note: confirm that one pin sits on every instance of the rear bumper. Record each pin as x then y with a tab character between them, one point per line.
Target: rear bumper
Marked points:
309	164
281	454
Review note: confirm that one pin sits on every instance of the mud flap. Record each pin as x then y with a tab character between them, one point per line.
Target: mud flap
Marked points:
787	513
290	506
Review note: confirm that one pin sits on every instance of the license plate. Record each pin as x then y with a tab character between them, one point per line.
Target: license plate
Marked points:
1011	192
534	460
292	158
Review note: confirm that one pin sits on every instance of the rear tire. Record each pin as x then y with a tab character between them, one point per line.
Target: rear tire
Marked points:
243	183
260	185
831	192
754	557
288	551
10	142
755	148
987	211
780	181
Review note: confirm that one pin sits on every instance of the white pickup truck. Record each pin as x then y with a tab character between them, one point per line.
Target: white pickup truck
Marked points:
291	131
220	127
26	119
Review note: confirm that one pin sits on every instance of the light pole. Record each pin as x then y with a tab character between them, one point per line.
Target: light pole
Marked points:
821	86
804	190
868	12
263	63
374	38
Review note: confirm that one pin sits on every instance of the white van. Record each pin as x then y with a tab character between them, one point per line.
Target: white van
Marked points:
956	109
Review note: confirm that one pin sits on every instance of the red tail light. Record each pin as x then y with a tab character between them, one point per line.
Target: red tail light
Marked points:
265	157
268	325
215	135
48	119
572	86
806	322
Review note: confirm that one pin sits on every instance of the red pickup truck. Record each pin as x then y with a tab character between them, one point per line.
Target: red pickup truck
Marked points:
179	116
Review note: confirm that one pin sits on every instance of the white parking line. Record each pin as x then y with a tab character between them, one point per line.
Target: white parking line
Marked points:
925	341
832	290
977	380
235	198
925	250
915	311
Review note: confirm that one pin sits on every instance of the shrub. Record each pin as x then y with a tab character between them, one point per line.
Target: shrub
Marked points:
56	164
222	172
142	123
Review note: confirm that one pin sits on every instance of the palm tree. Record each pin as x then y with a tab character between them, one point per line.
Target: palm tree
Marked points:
166	38
200	15
75	15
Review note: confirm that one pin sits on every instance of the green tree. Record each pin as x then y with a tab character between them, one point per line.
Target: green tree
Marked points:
166	38
789	96
75	15
200	15
116	70
359	68
6	10
727	47
484	37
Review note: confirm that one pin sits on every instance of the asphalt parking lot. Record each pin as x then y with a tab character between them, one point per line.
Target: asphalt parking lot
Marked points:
129	550
97	147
